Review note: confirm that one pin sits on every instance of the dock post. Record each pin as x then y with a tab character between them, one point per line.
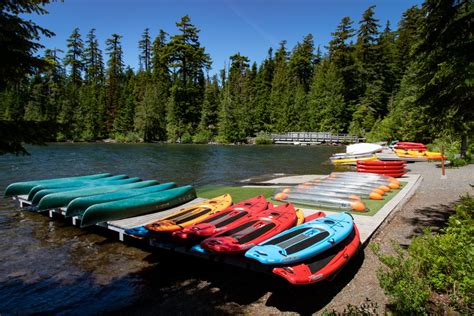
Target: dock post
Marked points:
443	173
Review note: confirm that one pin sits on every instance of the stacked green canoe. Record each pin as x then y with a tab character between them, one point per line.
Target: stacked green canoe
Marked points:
102	197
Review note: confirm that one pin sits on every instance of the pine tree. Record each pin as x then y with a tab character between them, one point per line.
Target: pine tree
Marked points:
445	66
341	54
279	97
74	57
19	41
210	110
145	51
263	86
408	34
93	61
327	111
301	63
188	60
114	79
231	124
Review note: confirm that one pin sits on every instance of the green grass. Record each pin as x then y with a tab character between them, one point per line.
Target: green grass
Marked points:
242	193
238	193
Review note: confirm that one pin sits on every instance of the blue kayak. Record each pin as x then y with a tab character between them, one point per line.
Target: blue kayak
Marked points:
304	241
78	206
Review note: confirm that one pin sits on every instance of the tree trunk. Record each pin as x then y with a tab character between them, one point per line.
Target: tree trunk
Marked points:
463	145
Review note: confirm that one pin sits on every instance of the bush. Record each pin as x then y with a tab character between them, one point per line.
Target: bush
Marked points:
130	137
263	139
434	266
186	138
202	137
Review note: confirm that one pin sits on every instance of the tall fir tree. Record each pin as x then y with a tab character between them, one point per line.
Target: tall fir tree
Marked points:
188	60
231	126
279	97
208	126
145	51
341	54
445	66
114	80
74	57
263	86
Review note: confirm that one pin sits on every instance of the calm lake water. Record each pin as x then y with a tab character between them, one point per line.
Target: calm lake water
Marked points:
51	267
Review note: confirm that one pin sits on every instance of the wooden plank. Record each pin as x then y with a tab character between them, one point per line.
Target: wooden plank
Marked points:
149	218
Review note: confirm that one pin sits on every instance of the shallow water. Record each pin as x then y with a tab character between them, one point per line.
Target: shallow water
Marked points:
48	266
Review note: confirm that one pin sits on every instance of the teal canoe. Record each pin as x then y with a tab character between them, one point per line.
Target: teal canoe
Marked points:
40	194
138	205
72	184
62	199
21	188
79	205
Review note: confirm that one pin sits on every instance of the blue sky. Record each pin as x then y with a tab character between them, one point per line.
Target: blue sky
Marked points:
227	26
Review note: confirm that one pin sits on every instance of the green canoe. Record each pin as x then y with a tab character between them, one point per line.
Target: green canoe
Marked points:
62	199
40	194
20	188
138	205
79	183
79	205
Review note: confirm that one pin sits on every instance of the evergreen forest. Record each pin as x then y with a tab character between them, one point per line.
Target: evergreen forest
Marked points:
412	81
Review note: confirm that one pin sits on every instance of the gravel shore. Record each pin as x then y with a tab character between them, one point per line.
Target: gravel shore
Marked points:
196	287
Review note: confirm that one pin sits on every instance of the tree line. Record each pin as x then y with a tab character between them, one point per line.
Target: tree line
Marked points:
414	82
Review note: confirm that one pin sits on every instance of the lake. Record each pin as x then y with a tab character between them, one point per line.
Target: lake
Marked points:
51	267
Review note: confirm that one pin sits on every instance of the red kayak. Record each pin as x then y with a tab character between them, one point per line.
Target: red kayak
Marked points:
387	168
381	163
395	174
324	265
410	143
229	218
259	227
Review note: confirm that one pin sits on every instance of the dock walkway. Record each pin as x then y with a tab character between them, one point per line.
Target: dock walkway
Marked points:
309	138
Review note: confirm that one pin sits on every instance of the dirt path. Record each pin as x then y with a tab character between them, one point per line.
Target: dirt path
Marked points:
191	286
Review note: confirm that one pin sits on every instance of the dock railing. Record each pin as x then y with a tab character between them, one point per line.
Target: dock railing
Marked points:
314	138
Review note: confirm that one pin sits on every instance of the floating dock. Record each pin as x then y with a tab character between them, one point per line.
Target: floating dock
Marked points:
367	225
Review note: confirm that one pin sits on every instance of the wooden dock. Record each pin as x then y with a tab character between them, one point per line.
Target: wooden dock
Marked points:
313	138
367	225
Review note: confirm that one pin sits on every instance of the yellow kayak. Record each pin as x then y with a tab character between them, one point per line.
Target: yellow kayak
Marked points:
350	161
418	154
299	217
191	215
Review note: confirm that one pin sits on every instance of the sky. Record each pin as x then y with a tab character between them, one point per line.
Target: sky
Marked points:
249	27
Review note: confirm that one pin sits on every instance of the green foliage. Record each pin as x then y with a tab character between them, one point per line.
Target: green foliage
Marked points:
434	265
412	83
263	139
18	41
202	137
186	138
130	137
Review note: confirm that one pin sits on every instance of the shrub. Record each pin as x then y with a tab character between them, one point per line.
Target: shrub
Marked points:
202	137
263	139
438	265
186	138
130	137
